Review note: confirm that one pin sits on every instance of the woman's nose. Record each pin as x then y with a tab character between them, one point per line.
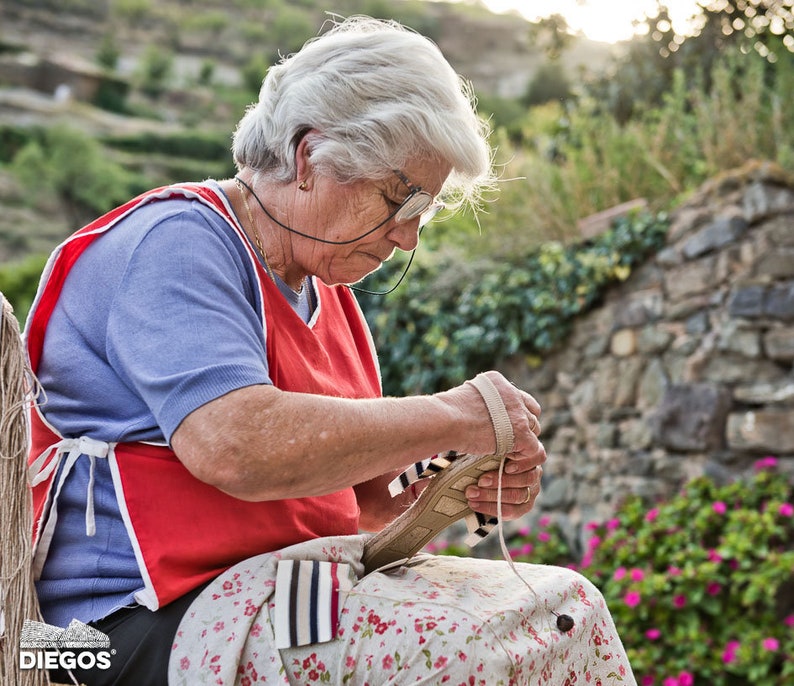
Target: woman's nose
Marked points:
405	235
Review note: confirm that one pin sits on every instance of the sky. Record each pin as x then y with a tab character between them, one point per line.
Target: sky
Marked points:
602	20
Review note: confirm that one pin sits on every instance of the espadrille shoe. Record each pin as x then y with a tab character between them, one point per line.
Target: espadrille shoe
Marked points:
443	502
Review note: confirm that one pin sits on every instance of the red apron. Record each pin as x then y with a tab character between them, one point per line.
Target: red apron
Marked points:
184	531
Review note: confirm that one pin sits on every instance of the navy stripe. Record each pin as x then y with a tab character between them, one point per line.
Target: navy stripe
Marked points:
314	631
293	603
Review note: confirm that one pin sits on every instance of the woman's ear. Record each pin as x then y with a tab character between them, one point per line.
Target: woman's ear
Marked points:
303	164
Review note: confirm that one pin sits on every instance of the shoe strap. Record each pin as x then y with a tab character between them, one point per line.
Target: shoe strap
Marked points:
502	426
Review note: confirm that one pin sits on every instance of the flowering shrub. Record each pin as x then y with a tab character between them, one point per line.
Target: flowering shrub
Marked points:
701	587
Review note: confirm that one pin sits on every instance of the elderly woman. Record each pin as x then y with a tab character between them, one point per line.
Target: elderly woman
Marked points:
214	437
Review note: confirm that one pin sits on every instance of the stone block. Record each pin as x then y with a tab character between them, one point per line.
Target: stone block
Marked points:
735	338
639	310
730	368
768	431
779	344
584	403
691	417
779	302
765	392
747	301
652	340
629	372
623	343
652	384
780	230
776	264
761	201
685	219
685	308
635	435
668	257
691	279
723	231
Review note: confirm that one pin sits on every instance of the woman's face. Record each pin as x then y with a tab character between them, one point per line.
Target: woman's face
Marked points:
341	212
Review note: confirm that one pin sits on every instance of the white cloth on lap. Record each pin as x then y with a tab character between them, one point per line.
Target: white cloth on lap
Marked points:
437	620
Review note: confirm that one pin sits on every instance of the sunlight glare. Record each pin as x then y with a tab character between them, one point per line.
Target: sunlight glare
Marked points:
601	20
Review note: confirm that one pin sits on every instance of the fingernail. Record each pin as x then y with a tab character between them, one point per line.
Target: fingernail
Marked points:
511	468
485	481
472	493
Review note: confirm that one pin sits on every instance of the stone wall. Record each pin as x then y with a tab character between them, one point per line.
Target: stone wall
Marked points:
687	368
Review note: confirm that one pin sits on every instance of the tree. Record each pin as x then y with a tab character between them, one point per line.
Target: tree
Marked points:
550	82
766	26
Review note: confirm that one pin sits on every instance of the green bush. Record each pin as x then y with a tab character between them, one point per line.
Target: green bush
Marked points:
450	320
18	282
73	166
700	586
155	70
196	145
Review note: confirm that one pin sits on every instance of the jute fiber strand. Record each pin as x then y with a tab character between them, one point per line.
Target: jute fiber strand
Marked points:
17	593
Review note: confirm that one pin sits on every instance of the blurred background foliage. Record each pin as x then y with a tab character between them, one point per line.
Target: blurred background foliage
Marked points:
661	115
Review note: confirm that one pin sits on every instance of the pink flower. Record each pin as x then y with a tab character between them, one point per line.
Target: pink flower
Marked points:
651	514
544	521
714	556
591	526
670	681
767	462
770	644
713	588
786	509
679	601
637	575
544	536
653	634
620	572
632	598
613	524
719	507
647	680
789	621
685	679
593	542
729	654
674	571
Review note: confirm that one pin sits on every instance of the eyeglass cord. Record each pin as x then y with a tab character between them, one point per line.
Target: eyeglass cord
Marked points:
358	289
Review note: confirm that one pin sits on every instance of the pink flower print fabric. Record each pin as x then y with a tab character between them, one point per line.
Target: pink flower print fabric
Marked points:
438	620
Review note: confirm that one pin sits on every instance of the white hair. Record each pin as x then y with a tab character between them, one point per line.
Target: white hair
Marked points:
378	95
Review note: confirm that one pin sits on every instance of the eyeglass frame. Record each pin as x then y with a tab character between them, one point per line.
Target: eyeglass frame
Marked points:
429	211
425	212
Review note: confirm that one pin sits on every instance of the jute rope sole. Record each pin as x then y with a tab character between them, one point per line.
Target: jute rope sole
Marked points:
444	501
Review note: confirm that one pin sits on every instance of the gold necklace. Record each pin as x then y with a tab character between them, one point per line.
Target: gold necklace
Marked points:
257	240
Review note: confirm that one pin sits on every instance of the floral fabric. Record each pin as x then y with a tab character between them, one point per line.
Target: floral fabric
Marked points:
438	620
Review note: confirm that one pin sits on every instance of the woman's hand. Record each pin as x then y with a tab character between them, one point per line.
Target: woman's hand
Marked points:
522	470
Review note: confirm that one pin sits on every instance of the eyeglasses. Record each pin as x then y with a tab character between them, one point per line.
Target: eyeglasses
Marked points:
417	203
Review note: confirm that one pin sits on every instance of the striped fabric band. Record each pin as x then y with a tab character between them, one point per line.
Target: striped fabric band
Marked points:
421	470
307	600
478	525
